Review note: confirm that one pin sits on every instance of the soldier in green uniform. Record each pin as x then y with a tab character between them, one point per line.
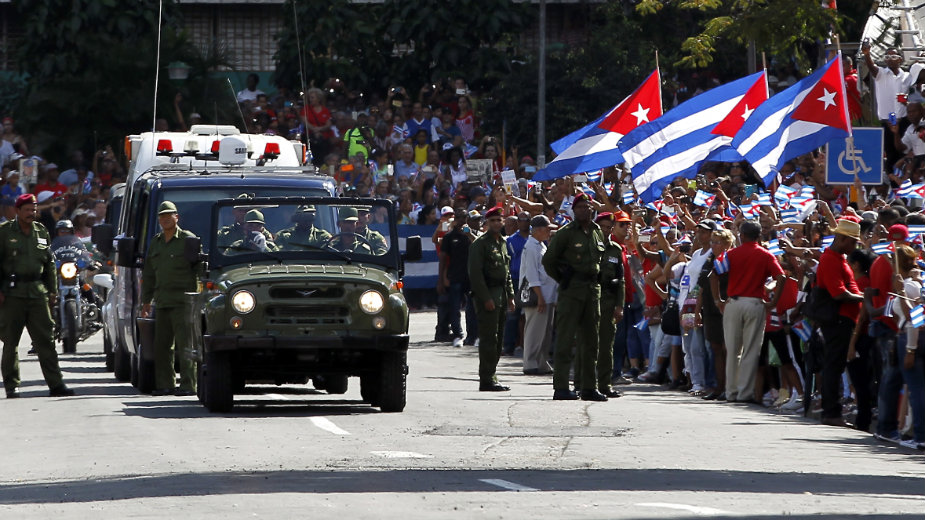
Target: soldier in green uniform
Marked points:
28	285
167	275
303	234
255	235
573	259
348	240
228	235
613	294
375	238
490	279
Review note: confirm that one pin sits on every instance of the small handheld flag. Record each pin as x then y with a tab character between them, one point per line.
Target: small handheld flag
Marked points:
917	316
774	247
721	264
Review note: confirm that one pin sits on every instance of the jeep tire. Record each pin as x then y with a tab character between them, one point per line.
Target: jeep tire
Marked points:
217	383
335	384
146	380
121	364
393	381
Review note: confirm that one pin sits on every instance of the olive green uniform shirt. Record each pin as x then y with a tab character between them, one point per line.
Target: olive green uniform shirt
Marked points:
228	235
489	269
613	284
28	260
376	239
167	274
294	239
576	249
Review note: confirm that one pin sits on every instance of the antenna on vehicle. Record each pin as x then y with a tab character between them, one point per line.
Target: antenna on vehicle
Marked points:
298	41
235	97
157	70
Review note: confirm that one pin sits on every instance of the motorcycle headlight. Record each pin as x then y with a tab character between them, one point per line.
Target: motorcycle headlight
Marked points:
371	302
68	270
243	302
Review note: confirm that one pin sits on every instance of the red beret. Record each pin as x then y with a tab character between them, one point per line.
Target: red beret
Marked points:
604	216
26	198
494	212
581	197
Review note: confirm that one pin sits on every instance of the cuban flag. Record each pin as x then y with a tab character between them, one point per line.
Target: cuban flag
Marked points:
721	264
882	248
827	241
595	146
750	210
790	216
917	316
798	120
629	197
911	191
704	199
916	231
594	176
642	325
808	192
783	195
655	205
764	199
588	190
774	247
562	219
679	141
802	330
608	187
888	307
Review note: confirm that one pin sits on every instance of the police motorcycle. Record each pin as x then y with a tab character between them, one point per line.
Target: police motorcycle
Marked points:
77	312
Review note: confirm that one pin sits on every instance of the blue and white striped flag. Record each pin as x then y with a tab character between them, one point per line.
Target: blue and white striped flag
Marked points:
721	264
803	330
764	199
827	241
882	248
642	325
888	308
915	231
703	198
783	195
594	176
774	247
790	216
808	191
917	316
628	197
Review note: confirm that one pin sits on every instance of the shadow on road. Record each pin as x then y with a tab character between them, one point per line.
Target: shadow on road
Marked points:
430	481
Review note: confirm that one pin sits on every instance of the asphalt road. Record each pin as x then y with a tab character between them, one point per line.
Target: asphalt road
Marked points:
293	452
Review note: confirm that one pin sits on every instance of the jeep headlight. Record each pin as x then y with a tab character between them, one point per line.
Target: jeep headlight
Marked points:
243	301
371	302
68	270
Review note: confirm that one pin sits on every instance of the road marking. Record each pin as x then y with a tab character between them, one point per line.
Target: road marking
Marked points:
506	484
327	425
401	455
697	510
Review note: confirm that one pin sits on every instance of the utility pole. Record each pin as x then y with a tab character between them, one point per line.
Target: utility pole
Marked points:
541	98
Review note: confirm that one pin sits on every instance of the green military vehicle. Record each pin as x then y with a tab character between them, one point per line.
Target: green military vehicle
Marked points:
309	293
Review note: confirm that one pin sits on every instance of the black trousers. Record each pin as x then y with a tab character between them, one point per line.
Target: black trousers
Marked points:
861	371
835	358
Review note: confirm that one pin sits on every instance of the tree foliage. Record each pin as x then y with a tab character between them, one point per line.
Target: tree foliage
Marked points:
397	42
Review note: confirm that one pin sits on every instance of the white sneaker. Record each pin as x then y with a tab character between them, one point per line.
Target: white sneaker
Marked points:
476	343
457	342
911	444
795	403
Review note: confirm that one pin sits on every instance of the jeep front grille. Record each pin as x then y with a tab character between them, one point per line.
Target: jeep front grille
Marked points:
307	315
303	293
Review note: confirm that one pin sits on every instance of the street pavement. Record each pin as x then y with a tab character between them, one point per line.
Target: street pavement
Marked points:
293	452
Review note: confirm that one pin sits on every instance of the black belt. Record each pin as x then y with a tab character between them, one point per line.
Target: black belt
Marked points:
23	279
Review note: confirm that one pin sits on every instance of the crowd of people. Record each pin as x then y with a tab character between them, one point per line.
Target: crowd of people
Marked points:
719	288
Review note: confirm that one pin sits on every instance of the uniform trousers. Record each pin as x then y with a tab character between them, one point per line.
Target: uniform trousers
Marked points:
171	338
491	338
578	320
34	315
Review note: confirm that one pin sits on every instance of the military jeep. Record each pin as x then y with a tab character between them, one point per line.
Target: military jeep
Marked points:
303	294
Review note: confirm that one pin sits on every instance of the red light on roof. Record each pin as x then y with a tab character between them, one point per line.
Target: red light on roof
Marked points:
271	150
215	147
164	146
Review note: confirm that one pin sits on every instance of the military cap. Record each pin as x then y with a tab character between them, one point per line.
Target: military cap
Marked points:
363	209
347	214
581	197
25	198
494	212
166	207
306	208
254	217
604	216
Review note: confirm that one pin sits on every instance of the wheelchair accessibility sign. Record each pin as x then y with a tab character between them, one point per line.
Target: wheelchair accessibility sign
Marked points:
864	158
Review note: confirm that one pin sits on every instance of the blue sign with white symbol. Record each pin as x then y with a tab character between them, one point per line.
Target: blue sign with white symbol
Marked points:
864	158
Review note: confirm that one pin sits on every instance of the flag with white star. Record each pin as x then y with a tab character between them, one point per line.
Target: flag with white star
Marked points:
595	146
677	143
798	120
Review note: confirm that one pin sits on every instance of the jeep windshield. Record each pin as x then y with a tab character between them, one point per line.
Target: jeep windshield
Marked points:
304	230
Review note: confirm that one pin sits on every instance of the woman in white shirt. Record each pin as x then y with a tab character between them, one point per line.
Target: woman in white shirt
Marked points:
539	319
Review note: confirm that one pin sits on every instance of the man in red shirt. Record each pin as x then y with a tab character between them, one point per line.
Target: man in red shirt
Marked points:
49	181
885	332
835	276
750	266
